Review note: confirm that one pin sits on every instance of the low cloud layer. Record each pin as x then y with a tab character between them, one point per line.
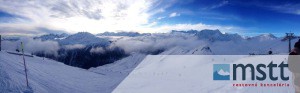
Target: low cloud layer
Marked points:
159	42
47	47
32	46
75	46
97	50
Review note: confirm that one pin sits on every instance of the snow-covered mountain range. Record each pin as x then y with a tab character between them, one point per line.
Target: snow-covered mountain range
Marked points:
51	37
130	34
84	38
83	49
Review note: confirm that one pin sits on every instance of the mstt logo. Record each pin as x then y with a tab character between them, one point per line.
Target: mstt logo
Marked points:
222	71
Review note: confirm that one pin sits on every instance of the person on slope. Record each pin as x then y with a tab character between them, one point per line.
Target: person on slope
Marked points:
294	63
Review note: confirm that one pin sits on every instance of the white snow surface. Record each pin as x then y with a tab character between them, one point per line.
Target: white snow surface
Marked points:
176	74
48	76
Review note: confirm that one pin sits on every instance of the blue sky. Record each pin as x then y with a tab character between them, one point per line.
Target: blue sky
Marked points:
248	17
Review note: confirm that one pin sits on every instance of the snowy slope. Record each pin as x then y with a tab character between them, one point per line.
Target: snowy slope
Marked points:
125	64
48	76
173	74
120	69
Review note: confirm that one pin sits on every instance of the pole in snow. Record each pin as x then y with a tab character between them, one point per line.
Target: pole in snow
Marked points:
22	46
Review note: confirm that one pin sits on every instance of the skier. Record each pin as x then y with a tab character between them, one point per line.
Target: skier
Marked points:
294	62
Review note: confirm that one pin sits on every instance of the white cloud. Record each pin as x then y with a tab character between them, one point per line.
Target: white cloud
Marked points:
75	46
298	12
157	42
97	50
32	46
291	8
159	18
223	3
48	47
174	14
94	16
80	15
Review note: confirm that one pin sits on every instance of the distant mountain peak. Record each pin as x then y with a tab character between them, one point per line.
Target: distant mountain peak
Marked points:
130	34
268	36
186	32
84	38
211	35
83	34
51	36
217	35
217	31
